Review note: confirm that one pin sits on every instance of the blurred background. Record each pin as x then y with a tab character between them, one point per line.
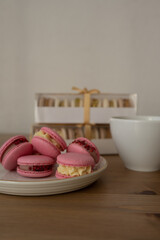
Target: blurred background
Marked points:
52	45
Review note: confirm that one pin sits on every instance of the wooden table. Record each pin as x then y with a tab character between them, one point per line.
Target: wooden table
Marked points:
122	204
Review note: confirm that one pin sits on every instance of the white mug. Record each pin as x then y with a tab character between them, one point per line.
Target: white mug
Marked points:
137	140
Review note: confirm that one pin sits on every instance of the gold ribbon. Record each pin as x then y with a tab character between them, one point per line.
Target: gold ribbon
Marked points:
85	90
87	99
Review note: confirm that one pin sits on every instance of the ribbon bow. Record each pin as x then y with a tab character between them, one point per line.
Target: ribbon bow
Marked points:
85	90
87	100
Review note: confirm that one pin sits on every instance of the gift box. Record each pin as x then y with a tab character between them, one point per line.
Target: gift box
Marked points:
86	113
74	108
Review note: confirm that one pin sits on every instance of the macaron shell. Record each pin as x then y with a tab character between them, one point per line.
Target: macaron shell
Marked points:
10	160
55	136
75	159
44	147
92	145
75	148
8	143
72	147
35	160
61	176
33	174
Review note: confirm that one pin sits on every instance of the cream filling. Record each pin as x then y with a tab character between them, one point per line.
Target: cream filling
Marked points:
74	171
49	138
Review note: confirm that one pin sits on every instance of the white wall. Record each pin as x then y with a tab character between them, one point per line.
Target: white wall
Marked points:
51	45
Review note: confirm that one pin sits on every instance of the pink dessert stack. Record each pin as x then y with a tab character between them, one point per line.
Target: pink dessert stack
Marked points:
37	158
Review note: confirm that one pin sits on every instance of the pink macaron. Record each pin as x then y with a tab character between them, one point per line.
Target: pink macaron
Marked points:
12	149
74	165
35	166
48	142
84	145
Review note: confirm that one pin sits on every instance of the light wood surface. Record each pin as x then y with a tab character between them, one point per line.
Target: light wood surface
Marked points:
122	204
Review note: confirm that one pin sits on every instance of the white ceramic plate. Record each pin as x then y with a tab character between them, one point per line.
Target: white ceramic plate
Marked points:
14	184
